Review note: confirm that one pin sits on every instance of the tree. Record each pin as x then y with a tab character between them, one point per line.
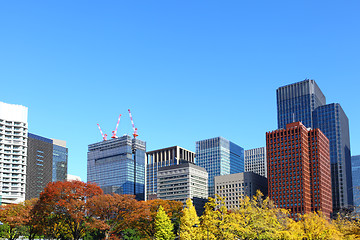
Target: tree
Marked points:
163	226
113	213
10	216
64	204
316	226
143	220
190	222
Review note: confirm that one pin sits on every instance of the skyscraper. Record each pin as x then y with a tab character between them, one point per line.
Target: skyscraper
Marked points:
255	161
118	166
219	156
162	158
299	176
333	122
355	166
297	101
13	148
304	101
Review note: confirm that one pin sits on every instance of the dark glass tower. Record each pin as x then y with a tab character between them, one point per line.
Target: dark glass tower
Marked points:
296	102
304	101
219	156
333	122
39	165
355	166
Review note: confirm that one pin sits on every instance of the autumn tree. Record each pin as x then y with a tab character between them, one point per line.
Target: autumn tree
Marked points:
64	204
143	220
163	226
190	222
10	216
316	226
113	213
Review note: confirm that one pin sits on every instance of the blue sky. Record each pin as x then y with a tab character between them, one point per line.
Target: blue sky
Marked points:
188	70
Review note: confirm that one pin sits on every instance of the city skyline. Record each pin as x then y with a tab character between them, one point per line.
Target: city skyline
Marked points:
188	71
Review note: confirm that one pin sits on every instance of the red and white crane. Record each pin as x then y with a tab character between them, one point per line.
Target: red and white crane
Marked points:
133	126
114	132
102	134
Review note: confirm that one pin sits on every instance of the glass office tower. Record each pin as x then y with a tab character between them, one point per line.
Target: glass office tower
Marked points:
60	160
304	101
296	102
333	122
118	166
355	166
219	156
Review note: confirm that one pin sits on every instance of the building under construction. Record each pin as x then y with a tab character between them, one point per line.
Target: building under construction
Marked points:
118	165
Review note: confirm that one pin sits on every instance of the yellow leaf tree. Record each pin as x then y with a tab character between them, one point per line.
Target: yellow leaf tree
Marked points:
189	223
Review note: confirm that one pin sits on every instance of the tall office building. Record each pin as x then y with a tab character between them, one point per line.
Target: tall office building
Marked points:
118	166
299	176
355	166
162	158
39	167
232	187
304	101
255	161
296	102
13	147
46	162
333	122
219	156
184	181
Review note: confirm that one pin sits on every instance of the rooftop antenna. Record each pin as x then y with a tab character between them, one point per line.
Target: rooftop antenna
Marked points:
133	126
114	132
102	134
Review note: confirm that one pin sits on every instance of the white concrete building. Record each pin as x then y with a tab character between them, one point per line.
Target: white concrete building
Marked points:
13	152
183	181
255	161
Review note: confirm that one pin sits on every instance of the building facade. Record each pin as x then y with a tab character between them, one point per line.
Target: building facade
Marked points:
118	166
161	158
355	166
296	102
299	177
304	101
184	181
255	161
60	160
13	152
219	156
234	187
333	122
39	165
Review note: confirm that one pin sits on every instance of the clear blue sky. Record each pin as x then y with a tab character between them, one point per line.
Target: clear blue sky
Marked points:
189	70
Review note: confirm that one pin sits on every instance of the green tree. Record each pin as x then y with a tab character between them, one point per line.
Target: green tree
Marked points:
163	226
190	222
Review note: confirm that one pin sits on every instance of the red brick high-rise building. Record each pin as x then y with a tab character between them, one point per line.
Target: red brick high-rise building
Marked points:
299	177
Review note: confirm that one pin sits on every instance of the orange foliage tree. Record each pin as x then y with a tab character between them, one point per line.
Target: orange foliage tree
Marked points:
64	204
144	220
11	216
114	213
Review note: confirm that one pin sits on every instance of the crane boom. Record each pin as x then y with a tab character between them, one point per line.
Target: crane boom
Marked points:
114	132
133	126
102	134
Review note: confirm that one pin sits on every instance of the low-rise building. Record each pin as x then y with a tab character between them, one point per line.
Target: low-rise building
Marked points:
234	187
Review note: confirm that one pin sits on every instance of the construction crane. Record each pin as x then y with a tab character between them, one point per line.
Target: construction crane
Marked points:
114	132
133	126
102	134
